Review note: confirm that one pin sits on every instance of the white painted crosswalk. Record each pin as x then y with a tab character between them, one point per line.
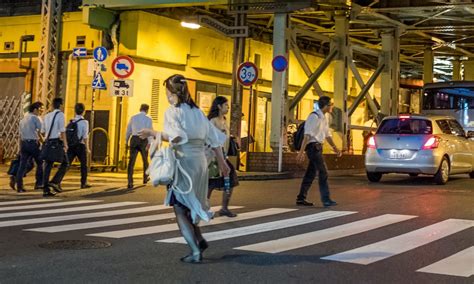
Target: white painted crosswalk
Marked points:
459	264
265	227
403	243
109	220
313	238
174	227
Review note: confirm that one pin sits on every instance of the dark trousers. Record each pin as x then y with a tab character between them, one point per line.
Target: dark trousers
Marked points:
48	166
79	151
314	151
137	145
29	149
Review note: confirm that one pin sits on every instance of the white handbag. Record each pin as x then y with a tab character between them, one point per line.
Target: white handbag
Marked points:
165	167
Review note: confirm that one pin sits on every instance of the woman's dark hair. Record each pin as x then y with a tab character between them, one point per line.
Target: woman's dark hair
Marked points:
177	85
214	112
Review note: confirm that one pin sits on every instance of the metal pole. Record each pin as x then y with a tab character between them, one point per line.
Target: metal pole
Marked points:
78	70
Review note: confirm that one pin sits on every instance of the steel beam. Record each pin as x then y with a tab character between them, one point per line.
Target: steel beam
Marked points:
299	56
49	49
391	72
302	92
136	4
456	69
428	64
370	101
365	90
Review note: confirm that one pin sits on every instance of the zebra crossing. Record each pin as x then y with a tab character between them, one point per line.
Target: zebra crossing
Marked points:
40	216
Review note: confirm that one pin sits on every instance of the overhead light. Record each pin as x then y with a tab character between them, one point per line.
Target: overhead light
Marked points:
188	25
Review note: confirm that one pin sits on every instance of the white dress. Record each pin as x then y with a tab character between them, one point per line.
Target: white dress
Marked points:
195	131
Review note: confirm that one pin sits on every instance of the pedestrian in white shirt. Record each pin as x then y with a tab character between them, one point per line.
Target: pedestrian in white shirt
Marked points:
316	130
137	123
78	142
53	128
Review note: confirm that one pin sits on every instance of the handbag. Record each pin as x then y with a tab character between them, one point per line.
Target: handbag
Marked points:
52	150
164	167
233	147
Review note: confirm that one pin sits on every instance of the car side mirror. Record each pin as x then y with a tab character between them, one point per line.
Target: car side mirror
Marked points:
470	135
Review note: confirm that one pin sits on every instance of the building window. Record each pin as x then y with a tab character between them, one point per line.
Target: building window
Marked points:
155	99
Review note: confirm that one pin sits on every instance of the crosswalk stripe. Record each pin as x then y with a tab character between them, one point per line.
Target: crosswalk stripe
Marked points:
173	227
27	201
52	219
49	205
400	244
72	209
265	227
313	238
459	264
107	223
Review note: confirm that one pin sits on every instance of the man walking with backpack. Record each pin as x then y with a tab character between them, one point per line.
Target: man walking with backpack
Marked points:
316	130
77	136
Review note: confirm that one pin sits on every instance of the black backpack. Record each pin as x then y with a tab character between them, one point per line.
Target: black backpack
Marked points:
299	135
71	133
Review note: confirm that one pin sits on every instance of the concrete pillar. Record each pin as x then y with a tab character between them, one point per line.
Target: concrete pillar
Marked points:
456	70
391	72
469	69
428	62
340	41
279	80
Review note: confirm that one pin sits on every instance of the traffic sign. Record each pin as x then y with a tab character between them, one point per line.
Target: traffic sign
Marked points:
279	63
247	73
123	67
121	88
98	82
100	53
79	52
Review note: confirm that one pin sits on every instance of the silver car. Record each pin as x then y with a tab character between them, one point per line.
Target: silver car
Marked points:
414	144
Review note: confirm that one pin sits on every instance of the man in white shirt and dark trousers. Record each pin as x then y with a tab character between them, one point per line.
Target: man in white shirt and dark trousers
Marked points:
77	134
57	134
30	127
137	123
316	130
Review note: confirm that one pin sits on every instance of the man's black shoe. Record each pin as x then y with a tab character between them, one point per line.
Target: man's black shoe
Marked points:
56	187
38	187
303	203
146	179
48	194
86	186
329	203
129	187
12	182
20	190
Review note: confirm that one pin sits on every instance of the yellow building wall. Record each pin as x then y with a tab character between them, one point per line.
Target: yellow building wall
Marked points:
160	48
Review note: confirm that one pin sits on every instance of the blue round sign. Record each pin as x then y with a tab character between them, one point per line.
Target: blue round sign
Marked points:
100	53
280	63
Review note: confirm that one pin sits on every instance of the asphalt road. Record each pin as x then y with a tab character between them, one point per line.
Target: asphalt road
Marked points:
379	233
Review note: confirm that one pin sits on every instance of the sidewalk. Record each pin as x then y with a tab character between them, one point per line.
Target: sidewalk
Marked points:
117	181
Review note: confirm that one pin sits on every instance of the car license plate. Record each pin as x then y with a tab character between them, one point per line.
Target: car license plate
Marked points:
399	154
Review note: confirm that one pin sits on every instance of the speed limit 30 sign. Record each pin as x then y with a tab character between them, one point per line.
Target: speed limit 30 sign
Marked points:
247	73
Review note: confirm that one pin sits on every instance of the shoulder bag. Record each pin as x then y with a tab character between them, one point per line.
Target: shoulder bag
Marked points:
52	150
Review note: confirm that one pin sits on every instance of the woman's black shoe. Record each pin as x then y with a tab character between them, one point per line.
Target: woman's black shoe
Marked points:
48	194
203	245
303	203
192	258
227	213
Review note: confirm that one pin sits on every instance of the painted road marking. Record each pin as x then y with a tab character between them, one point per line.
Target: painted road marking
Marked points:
459	264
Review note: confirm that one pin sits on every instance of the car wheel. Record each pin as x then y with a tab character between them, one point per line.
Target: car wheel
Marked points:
413	175
442	176
374	177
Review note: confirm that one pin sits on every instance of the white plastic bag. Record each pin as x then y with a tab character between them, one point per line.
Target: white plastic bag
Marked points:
165	167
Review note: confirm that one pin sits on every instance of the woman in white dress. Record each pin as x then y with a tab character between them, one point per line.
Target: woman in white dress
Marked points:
188	130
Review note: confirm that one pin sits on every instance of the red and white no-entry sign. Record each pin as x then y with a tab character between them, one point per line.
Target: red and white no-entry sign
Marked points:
123	66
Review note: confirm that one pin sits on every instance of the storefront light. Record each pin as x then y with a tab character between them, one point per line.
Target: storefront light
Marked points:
188	25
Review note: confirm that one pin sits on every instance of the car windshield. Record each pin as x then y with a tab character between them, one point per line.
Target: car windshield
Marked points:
405	126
